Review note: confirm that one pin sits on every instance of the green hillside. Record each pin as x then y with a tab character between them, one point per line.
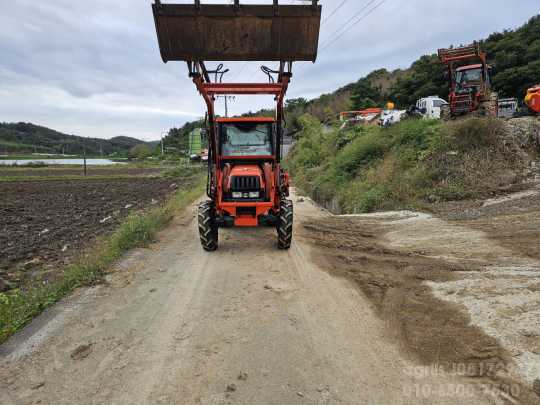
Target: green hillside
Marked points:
29	138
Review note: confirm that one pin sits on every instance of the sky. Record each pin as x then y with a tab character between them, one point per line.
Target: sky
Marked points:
93	68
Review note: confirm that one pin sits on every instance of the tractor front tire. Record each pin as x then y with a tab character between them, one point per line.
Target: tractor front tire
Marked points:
285	224
208	229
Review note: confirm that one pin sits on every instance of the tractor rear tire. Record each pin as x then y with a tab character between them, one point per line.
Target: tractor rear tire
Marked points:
285	224
208	229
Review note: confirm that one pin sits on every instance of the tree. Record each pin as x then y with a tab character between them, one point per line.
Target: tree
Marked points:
140	151
364	95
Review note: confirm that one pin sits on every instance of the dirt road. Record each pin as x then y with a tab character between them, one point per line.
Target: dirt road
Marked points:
247	324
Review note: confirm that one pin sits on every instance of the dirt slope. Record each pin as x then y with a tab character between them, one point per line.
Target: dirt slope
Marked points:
460	293
245	325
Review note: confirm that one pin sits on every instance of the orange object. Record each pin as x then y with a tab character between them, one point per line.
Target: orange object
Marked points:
532	99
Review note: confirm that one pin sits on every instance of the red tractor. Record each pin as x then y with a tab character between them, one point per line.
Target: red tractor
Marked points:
470	83
246	184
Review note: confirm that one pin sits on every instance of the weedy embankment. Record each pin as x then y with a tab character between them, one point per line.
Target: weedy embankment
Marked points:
408	165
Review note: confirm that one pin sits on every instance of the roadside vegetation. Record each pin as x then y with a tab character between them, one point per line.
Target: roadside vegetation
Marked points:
408	165
20	305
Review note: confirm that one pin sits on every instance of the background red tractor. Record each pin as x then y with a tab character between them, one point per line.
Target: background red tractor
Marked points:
470	81
247	185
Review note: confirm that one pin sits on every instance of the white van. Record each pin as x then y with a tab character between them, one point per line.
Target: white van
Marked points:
430	107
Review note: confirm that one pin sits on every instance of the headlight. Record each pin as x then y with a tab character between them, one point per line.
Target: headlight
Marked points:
236	195
253	194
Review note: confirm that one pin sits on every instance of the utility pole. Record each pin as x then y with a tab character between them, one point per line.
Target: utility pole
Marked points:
84	159
226	104
162	147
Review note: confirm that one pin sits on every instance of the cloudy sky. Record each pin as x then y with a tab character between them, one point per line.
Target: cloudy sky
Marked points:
92	67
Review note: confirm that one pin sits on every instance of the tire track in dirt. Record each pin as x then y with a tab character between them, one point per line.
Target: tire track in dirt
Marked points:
398	260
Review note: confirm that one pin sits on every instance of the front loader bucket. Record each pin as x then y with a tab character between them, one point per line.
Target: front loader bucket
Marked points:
237	32
460	53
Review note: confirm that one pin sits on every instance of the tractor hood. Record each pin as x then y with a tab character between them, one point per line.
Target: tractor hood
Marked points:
246	170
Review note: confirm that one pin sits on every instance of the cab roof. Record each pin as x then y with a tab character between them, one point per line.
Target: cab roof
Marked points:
468	67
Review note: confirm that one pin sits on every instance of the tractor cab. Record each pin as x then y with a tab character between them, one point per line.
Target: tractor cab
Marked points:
469	78
244	137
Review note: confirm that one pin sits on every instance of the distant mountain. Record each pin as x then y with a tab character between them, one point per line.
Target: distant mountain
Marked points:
24	137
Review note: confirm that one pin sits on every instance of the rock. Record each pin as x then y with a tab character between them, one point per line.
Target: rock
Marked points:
5	285
128	206
153	290
300	394
153	202
174	186
38	385
65	247
43	232
105	219
242	376
82	352
33	262
231	387
536	387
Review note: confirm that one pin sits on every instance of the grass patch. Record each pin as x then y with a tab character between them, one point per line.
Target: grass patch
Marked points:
408	165
18	307
181	171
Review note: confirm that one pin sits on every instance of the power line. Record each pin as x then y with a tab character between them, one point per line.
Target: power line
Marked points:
239	71
327	44
344	26
356	22
333	12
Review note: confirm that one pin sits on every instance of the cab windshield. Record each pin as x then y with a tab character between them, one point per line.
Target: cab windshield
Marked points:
469	77
246	139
